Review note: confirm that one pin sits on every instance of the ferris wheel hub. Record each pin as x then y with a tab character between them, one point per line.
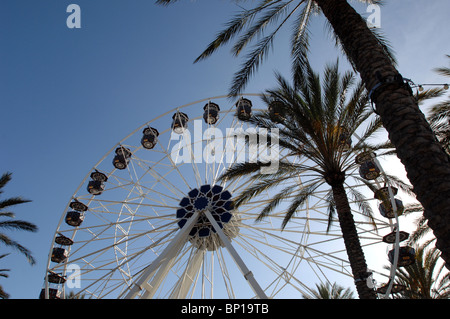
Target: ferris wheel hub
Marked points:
218	202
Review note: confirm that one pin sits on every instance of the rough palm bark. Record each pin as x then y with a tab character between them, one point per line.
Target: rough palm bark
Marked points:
351	240
426	163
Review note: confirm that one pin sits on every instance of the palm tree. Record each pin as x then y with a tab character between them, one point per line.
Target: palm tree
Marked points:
426	163
14	224
327	291
424	279
322	118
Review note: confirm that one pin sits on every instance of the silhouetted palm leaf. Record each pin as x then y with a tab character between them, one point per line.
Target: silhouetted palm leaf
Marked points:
14	224
327	291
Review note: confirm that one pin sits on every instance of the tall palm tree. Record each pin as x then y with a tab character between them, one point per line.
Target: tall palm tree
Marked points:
13	224
427	165
424	279
327	291
322	117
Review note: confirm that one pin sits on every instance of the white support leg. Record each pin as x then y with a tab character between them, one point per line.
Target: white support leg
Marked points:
186	281
162	272
248	275
163	262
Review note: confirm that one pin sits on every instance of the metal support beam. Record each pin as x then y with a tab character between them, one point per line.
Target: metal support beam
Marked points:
186	281
162	263
248	275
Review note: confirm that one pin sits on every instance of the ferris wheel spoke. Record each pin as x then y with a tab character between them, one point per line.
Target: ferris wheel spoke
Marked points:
226	278
112	271
194	164
263	251
324	264
152	169
176	167
221	167
326	259
169	186
104	284
116	207
162	240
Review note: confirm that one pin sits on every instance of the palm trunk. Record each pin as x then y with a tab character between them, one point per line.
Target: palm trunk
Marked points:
352	245
426	164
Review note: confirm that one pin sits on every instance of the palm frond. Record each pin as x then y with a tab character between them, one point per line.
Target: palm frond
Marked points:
18	225
354	113
347	82
289	136
14	224
11	243
299	200
233	28
13	201
274	202
3	270
6	177
371	129
424	279
3	294
363	205
300	42
331	92
421	231
256	189
251	64
439	112
385	44
165	2
255	58
240	169
412	208
380	38
271	16
443	70
429	94
401	185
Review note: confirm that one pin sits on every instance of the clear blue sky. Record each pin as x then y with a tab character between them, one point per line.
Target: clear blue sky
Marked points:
68	95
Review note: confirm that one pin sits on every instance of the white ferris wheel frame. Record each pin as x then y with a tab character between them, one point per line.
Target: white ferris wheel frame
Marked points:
162	265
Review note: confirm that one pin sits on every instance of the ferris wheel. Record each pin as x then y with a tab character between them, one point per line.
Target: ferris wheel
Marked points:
152	220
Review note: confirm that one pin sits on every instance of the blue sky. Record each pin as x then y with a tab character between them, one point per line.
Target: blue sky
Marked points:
68	95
